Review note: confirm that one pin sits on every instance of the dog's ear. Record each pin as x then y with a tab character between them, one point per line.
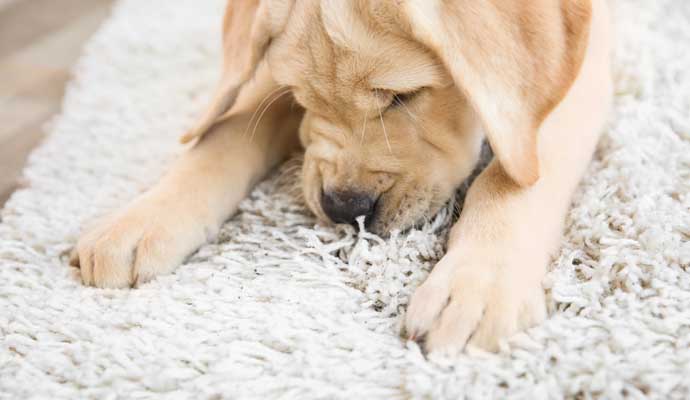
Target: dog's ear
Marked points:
514	60
248	28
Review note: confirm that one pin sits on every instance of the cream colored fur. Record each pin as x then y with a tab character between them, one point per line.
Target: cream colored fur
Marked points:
516	73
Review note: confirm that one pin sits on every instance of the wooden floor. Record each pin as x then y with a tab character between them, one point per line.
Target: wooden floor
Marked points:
39	42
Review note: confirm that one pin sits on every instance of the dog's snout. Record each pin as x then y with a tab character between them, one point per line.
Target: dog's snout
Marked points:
345	206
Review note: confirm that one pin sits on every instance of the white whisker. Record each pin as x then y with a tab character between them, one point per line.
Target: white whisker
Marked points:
259	107
413	117
364	127
258	120
383	124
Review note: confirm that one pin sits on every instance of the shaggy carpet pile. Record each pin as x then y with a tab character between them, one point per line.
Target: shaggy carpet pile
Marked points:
282	307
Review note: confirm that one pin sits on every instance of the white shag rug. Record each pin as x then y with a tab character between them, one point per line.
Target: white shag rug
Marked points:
282	308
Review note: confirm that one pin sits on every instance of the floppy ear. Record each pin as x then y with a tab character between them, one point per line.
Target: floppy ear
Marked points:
514	60
248	27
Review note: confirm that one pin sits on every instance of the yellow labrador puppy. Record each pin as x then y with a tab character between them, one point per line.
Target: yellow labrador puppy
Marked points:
394	99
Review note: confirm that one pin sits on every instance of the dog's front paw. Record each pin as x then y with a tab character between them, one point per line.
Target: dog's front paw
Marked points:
135	245
466	302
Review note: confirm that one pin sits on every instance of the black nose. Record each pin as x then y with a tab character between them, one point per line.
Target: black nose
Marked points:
343	207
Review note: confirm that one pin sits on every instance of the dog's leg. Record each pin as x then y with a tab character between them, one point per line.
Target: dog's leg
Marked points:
488	285
159	229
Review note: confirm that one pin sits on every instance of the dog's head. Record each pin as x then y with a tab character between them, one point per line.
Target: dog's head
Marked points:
399	94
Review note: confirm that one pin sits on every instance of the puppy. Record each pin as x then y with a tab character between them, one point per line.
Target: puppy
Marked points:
395	99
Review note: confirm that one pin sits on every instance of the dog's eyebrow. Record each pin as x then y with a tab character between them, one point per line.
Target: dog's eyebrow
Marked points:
406	78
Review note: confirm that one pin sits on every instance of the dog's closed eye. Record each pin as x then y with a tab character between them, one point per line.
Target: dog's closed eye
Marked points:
389	99
400	99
